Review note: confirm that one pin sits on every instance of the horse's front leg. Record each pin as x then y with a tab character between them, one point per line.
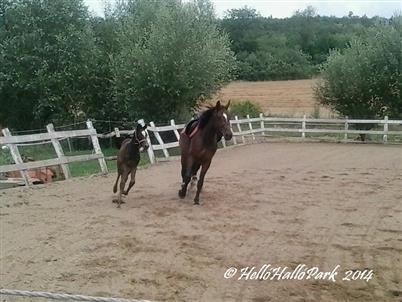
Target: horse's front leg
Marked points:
186	175
132	181
194	171
204	169
123	181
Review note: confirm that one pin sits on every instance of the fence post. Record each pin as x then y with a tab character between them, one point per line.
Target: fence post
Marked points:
304	127
160	141
59	151
69	145
250	126
97	148
16	156
240	131
262	125
150	150
173	124
116	132
385	136
234	136
345	136
223	142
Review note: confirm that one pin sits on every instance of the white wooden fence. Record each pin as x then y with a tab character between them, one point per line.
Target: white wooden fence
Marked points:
54	137
248	128
264	126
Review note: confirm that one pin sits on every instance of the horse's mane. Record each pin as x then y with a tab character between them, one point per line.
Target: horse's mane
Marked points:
205	116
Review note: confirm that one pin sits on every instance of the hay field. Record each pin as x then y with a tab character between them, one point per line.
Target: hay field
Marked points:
278	98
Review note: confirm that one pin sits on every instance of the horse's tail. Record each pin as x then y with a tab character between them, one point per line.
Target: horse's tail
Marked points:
115	185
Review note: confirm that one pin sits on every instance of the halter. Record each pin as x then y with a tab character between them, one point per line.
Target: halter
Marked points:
138	142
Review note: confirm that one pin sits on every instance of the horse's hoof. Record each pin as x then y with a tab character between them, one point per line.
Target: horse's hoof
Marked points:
196	202
118	202
181	194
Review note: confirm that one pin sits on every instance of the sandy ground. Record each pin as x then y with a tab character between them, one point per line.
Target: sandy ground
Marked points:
282	204
279	98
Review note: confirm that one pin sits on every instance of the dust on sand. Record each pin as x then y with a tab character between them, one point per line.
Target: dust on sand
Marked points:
279	203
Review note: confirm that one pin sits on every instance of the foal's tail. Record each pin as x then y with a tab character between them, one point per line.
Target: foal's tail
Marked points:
115	185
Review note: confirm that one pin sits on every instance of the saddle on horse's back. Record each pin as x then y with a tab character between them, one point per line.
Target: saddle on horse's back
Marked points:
191	128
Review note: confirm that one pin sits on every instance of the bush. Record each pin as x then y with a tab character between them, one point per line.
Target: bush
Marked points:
241	109
365	81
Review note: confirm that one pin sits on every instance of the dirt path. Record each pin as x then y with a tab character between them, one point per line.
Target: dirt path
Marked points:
282	204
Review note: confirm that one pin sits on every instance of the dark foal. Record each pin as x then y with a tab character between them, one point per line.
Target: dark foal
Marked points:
198	144
128	159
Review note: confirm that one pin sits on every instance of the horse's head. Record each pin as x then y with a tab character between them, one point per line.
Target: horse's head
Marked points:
140	138
221	120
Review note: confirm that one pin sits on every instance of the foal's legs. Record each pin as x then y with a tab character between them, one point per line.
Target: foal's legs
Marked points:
186	175
204	169
132	180
123	181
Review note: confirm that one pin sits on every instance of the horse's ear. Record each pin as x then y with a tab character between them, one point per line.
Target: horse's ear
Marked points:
218	105
227	105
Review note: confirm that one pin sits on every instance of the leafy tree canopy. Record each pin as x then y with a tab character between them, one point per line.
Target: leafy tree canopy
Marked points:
365	80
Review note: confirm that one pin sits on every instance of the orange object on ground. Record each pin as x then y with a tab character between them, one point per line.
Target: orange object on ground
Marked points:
39	175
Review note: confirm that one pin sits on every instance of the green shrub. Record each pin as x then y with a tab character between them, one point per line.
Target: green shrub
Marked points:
5	157
365	81
241	109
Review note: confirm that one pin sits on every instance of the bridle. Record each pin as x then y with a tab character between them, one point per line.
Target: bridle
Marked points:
138	142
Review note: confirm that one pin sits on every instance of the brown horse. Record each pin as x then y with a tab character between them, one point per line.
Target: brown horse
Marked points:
128	159
199	142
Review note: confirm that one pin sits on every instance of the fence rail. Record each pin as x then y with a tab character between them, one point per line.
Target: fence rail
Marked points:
264	125
242	128
53	137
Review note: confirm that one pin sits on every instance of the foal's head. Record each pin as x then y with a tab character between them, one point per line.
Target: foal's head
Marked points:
220	120
140	138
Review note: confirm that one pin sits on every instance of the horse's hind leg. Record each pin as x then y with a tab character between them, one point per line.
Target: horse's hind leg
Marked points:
132	181
115	184
186	175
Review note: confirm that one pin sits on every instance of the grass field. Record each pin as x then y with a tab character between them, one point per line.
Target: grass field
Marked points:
278	98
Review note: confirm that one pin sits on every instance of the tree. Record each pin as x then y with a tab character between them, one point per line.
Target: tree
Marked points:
171	56
290	48
102	104
46	59
242	14
365	81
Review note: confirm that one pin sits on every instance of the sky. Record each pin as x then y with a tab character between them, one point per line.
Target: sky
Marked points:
286	8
